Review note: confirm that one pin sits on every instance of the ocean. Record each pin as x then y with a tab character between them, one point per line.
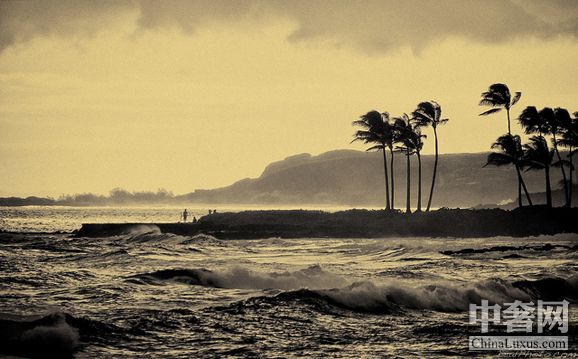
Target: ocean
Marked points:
149	294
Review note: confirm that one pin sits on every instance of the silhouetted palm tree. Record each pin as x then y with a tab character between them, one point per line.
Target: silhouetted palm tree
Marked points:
562	121
498	96
391	139
410	143
415	141
377	131
429	114
548	122
569	139
538	156
511	153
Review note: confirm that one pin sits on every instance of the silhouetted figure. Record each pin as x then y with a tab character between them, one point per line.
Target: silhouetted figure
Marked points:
214	211
194	219
185	215
210	211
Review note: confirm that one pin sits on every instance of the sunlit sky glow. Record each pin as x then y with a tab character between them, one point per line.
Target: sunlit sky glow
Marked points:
181	95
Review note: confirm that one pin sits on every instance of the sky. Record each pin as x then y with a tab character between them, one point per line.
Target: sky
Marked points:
185	95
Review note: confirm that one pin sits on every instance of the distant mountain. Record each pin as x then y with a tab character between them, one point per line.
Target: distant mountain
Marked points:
343	178
355	178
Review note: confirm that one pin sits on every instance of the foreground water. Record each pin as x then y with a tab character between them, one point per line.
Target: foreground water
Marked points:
148	294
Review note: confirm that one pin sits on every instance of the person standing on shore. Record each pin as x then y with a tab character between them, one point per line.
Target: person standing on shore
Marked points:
185	215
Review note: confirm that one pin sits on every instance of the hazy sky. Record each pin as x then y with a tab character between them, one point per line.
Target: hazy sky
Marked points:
184	95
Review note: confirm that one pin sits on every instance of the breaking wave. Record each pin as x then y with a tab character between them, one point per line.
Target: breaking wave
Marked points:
242	278
52	335
366	297
315	283
141	229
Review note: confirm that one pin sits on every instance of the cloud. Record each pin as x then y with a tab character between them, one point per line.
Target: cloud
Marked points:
368	25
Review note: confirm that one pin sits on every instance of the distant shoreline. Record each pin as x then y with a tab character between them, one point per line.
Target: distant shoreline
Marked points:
462	223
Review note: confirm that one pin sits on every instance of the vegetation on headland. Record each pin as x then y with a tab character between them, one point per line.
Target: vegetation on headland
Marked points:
525	221
404	133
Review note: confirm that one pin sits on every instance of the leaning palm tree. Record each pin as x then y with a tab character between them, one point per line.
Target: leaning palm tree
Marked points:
376	130
498	97
538	156
569	139
562	121
510	152
429	114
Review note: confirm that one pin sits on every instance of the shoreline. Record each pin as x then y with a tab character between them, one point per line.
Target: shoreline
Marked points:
354	223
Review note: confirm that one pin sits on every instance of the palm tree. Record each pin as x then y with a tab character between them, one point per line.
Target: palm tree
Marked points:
498	97
569	139
416	143
410	140
538	156
510	152
561	122
429	114
376	130
552	122
391	139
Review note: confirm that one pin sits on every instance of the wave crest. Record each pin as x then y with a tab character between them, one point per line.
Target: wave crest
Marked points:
49	336
313	277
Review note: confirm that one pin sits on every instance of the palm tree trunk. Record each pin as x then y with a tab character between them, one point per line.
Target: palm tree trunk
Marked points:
418	182
519	192
563	171
571	184
392	179
435	168
548	187
408	190
523	184
387	207
509	129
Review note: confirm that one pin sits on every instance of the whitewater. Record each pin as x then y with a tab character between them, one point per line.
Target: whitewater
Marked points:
149	294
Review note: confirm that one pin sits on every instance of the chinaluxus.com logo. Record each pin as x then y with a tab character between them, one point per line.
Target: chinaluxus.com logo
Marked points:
528	326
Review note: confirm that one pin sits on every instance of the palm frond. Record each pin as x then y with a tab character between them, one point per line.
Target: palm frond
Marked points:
375	148
490	111
498	95
489	102
537	155
499	159
516	98
360	123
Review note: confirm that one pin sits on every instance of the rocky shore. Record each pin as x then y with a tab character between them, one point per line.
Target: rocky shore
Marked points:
521	222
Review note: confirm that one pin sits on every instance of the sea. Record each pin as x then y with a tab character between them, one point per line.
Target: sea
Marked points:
147	294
